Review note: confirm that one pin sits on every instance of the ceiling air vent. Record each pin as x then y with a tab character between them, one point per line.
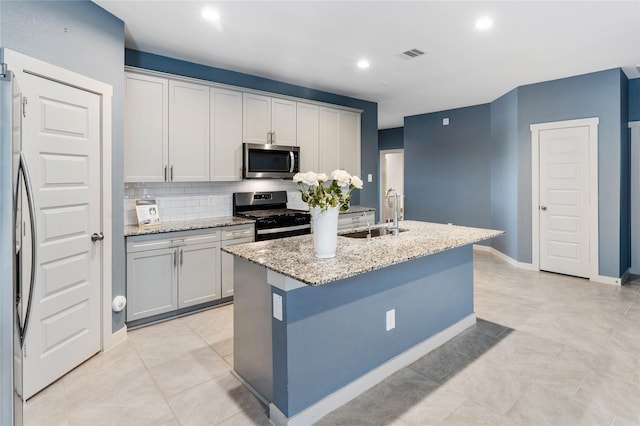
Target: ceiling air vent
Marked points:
413	53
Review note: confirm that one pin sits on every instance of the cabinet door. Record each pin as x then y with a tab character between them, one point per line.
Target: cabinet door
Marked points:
188	132
199	280
256	123
226	135
283	122
307	135
151	283
350	142
146	140
329	140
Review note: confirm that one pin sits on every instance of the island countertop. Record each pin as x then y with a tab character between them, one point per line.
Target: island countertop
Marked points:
294	257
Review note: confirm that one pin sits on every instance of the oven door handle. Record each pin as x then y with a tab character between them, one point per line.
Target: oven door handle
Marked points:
284	229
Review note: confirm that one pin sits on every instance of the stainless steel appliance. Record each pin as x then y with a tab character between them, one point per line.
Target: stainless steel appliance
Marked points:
16	279
273	218
270	161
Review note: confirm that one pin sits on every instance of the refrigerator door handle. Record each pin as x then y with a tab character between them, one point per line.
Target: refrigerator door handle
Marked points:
23	169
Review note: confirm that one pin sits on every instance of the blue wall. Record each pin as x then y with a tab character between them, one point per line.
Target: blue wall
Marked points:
504	172
591	95
447	172
368	196
92	45
634	99
391	138
477	170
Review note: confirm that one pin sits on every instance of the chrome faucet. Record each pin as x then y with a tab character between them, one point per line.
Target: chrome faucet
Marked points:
364	214
393	193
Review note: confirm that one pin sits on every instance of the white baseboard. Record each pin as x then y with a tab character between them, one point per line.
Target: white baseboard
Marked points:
345	394
501	255
528	266
115	338
612	280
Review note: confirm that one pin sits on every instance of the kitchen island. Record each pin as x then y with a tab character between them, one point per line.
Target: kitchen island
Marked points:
311	334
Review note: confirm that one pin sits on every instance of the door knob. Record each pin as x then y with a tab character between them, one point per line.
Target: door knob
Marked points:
543	208
97	237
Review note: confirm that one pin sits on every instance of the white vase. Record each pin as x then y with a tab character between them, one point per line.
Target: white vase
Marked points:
325	231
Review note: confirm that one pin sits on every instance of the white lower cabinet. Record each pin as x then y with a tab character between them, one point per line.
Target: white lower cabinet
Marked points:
199	278
170	271
152	283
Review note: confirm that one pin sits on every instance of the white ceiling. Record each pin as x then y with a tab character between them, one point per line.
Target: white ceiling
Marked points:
318	43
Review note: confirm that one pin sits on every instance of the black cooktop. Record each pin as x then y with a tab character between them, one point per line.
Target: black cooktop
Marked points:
270	213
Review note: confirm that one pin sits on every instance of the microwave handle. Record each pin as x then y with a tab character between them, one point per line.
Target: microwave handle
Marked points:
293	162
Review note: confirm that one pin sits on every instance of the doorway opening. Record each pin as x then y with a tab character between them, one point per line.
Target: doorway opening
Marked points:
391	176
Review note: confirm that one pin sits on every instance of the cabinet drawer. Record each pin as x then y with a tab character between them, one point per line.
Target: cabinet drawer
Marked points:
236	232
172	239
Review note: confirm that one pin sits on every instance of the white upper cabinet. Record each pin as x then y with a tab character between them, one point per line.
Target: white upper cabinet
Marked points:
283	122
146	136
339	140
256	126
226	135
188	132
307	136
268	120
350	142
329	140
181	130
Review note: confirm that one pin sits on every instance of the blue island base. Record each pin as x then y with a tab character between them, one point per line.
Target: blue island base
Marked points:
307	350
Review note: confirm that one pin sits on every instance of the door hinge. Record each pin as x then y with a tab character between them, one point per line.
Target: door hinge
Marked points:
24	106
3	70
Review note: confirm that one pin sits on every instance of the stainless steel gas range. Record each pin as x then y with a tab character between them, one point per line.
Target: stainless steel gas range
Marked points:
273	218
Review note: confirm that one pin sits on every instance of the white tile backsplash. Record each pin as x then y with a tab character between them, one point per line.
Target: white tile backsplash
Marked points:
200	200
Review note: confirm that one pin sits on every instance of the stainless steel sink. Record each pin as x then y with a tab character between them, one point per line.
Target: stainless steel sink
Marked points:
375	232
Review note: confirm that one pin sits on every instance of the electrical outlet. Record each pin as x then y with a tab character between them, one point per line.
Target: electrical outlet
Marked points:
445	121
369	178
211	200
391	319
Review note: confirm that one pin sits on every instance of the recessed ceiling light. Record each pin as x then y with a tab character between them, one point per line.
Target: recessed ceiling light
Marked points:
484	23
363	64
210	14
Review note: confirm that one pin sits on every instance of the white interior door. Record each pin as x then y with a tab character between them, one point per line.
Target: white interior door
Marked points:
61	141
392	176
564	201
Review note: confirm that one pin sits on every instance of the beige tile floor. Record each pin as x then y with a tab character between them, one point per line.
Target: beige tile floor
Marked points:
548	350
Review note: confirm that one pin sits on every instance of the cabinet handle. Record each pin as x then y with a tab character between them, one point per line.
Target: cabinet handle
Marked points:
175	259
172	173
165	173
181	257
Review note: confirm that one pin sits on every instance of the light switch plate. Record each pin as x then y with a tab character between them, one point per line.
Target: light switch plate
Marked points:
369	178
277	306
391	319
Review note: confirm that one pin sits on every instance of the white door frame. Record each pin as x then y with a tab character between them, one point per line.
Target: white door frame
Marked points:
380	158
594	256
635	196
20	64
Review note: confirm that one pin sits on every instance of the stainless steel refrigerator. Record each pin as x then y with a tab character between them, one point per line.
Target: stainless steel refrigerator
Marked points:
16	219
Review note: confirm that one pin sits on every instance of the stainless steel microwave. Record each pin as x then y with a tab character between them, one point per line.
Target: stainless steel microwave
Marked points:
270	161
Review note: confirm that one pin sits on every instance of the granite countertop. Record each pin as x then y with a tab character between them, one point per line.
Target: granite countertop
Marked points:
294	257
186	225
